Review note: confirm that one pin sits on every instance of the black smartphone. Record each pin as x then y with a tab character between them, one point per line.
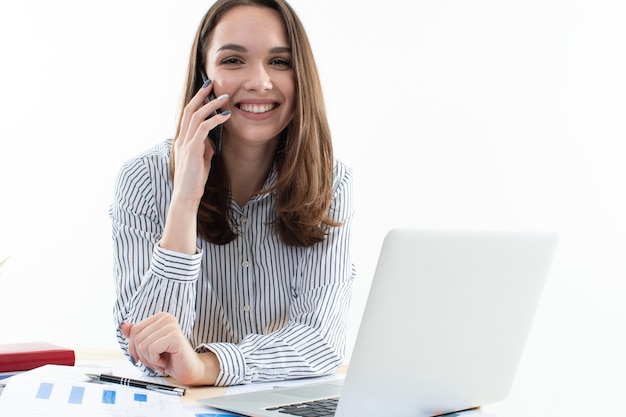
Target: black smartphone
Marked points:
215	134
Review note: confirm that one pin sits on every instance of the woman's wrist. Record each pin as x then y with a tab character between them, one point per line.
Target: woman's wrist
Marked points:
211	367
180	232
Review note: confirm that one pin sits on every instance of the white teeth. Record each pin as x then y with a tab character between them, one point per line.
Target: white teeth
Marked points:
256	108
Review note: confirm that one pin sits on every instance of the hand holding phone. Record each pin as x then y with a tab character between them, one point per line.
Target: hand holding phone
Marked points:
215	134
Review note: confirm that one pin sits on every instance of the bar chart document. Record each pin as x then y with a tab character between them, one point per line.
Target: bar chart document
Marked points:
59	393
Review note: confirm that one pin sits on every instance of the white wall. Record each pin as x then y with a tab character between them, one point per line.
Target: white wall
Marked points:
468	114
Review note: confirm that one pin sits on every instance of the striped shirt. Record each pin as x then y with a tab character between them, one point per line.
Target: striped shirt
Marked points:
269	311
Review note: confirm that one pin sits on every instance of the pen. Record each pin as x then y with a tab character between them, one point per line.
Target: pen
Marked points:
152	386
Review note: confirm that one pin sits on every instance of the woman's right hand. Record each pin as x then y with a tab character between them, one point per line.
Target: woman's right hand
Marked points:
192	162
193	150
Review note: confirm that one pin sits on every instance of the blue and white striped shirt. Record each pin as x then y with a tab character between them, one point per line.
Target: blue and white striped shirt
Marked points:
269	311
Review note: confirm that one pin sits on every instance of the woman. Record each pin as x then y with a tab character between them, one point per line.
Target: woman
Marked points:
235	267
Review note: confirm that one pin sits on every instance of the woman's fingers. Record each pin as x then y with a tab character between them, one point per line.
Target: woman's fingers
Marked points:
193	143
141	334
153	339
205	119
198	111
194	104
193	151
161	346
125	328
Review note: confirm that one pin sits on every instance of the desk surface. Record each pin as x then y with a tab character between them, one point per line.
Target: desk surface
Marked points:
193	393
532	395
86	356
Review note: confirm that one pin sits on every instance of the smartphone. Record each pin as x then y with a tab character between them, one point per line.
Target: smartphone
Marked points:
215	134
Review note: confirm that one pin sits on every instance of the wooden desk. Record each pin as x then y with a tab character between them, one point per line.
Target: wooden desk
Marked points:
539	390
193	393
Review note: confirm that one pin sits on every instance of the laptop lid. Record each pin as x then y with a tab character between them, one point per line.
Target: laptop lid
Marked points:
444	327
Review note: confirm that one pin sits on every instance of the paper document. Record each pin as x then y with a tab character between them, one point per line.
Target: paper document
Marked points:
54	390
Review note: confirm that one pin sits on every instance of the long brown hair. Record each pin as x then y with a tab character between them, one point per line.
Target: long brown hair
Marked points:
304	159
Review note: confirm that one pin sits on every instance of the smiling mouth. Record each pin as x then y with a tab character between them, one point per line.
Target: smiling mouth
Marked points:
257	108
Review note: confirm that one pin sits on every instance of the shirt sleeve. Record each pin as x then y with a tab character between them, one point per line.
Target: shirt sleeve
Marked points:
313	342
148	278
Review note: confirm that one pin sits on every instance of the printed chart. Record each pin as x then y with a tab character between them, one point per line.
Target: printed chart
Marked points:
64	398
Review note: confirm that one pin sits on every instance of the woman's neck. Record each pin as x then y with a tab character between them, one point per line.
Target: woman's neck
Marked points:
248	168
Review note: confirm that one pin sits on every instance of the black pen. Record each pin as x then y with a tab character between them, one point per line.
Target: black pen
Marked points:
152	386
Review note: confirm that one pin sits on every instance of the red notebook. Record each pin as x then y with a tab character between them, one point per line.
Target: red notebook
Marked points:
25	356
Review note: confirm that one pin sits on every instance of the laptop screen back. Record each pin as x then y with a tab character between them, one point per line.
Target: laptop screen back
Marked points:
446	321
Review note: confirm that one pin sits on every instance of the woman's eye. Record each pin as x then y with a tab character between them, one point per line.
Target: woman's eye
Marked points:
231	61
281	62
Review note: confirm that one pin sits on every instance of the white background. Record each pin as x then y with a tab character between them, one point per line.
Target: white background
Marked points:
453	114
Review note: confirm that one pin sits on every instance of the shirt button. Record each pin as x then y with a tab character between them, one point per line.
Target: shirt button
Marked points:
243	219
245	264
246	308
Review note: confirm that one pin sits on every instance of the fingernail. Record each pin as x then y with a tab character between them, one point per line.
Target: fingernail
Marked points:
223	97
226	112
207	83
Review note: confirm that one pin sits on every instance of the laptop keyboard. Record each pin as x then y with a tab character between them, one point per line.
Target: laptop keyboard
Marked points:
317	408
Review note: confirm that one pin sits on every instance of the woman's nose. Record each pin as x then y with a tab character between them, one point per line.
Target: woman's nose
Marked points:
258	79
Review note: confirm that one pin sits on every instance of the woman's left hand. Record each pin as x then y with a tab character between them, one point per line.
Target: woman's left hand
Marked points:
159	343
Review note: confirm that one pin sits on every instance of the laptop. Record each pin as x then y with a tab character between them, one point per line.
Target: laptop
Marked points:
443	330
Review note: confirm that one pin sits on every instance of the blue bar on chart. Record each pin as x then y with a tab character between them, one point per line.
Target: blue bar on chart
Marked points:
141	398
108	397
76	395
44	391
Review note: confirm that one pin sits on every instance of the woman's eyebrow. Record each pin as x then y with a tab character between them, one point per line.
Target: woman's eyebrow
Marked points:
280	50
239	48
232	47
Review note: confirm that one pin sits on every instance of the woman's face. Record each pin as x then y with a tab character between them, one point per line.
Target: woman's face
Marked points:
249	58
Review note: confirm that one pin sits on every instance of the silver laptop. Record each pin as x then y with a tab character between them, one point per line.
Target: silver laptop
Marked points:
443	329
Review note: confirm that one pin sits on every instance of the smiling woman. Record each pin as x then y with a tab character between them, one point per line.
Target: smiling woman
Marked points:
236	267
452	114
241	61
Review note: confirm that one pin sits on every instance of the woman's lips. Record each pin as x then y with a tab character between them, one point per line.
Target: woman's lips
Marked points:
256	108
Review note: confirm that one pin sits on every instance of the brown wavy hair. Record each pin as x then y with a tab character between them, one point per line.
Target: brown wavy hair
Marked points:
304	158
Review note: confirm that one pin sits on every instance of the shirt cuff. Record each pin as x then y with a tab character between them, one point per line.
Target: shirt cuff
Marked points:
175	265
232	364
